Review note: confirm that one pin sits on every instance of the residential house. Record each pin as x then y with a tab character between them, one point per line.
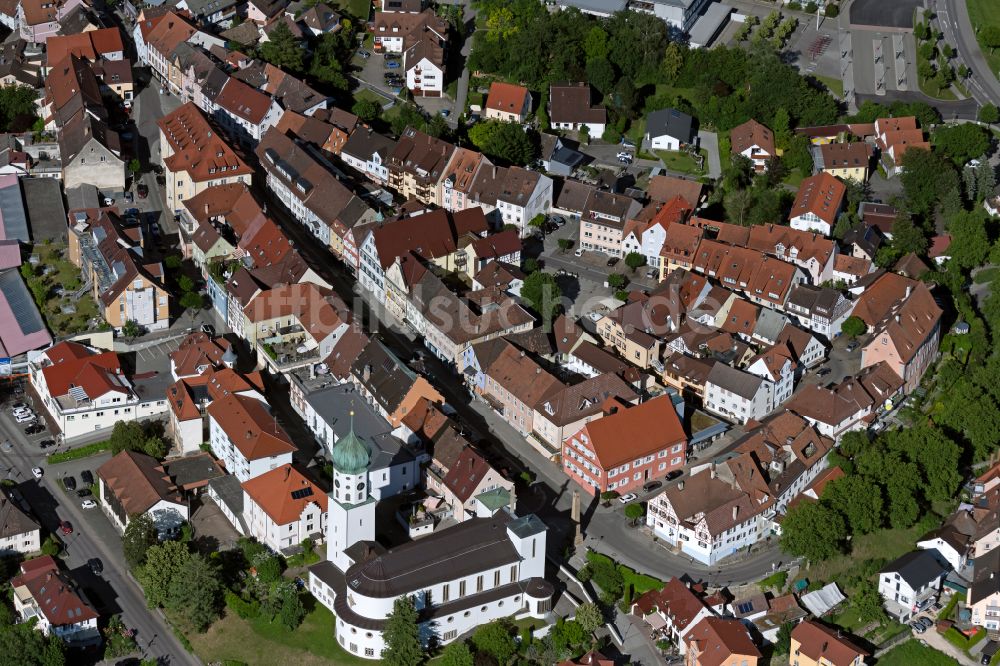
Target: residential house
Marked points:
511	195
755	142
457	178
245	436
422	39
126	285
669	129
737	395
909	580
195	157
302	181
664	188
894	137
818	203
602	222
368	152
51	597
571	107
687	374
819	309
680	244
565	412
91	45
647	234
38	20
630	445
763	280
159	36
466	483
386	383
190	396
847	161
672	611
815	644
133	484
508	102
282	508
91	154
560	156
720	640
906	336
811	252
416	165
19	533
245	112
983	596
775	364
84	390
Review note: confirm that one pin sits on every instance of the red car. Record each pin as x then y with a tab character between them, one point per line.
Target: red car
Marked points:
66	527
143	190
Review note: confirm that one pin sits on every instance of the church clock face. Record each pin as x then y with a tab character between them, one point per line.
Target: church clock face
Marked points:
361	486
336	483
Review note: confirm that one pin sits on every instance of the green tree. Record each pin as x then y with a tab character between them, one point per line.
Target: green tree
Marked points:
989	35
164	562
781	127
537	222
402	635
496	640
185	283
988	113
634	512
962	143
859	500
565	244
595	45
283	50
367	110
134	166
127	436
783	643
542	294
172	262
617	280
290	611
194	594
51	546
853	327
500	24
456	654
584	134
191	300
568	635
23	645
673	61
601	74
139	537
634	260
505	142
606	576
813	530
868	602
969	241
589	616
131	330
17	107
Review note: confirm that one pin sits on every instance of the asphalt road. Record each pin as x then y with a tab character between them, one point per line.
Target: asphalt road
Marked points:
114	591
953	17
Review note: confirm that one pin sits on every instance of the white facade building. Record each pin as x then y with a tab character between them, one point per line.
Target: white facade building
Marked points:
736	395
281	508
245	438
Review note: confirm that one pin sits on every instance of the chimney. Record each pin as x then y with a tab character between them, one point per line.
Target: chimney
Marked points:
909	289
680	485
736	511
712	472
249	434
897	318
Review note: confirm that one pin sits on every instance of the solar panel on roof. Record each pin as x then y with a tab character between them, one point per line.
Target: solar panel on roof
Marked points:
302	492
745	607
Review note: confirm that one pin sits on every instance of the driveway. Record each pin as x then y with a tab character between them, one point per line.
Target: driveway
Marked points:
710	142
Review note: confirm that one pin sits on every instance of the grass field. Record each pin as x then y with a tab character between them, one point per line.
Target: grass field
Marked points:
794	178
983	13
366	94
62	274
912	653
260	642
357	8
987	275
834	85
681	161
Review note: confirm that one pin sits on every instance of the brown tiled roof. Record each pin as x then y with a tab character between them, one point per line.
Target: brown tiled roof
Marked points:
635	431
820	642
719	639
421	155
752	133
873	304
674	600
429	236
584	399
573	103
519	374
910	322
808	245
741	318
169	31
665	188
318	313
138	482
465	475
768	278
244	102
820	195
88	45
846	155
54	591
197	148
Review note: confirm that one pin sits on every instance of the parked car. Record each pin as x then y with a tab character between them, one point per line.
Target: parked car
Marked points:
926	622
84	492
559	220
69	482
88	504
627	144
46	443
579	252
34	429
989	650
851	346
613	260
364	54
652	273
66	527
673	475
18	405
25	418
392	64
917	627
87	477
96	566
624	155
129	197
37	472
823	372
142	190
651	486
393	56
625	499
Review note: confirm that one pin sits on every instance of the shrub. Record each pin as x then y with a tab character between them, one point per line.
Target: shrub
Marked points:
79	452
247	610
794	6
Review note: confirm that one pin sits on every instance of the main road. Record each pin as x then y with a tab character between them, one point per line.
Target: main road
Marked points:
953	17
92	537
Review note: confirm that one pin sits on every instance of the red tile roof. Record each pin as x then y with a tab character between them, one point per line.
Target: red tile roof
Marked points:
819	642
634	431
719	639
284	493
95	373
198	350
820	195
244	102
54	592
507	97
197	148
138	482
88	45
463	478
251	428
752	133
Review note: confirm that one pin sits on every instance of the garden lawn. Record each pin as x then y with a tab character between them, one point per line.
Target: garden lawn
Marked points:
680	161
358	8
986	275
983	13
834	85
62	273
849	619
794	178
912	653
368	95
261	642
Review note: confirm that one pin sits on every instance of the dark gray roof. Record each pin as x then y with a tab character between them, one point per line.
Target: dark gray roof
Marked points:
229	491
363	143
670	122
735	381
815	300
12	214
477	545
44	202
384	375
986	577
13	521
917	568
197	469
